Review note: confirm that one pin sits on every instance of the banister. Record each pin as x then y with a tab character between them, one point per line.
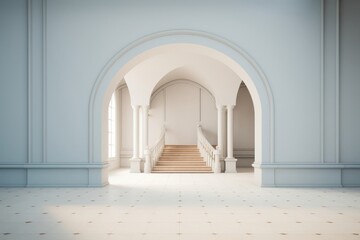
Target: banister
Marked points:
210	155
152	155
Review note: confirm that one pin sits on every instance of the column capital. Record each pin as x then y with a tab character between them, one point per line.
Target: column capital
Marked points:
220	107
230	107
135	107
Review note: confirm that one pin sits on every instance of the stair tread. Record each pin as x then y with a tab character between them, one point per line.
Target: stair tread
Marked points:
181	159
187	171
185	166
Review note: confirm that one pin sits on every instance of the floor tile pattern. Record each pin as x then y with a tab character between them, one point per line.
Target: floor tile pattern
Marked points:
181	207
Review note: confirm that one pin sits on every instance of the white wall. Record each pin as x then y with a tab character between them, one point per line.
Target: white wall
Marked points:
349	110
51	58
182	114
13	83
181	106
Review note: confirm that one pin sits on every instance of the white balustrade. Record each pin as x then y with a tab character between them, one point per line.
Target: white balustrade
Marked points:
210	155
153	154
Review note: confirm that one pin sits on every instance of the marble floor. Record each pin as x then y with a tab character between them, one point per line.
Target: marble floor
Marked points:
180	206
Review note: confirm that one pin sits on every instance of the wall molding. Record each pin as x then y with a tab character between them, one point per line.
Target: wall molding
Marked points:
308	165
52	165
309	175
44	81
322	85
337	85
330	71
53	175
244	152
36	37
29	81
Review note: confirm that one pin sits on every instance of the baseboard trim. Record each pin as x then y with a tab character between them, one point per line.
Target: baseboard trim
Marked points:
307	165
54	175
53	165
308	175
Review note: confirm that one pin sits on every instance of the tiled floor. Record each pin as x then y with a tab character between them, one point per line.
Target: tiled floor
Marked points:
179	206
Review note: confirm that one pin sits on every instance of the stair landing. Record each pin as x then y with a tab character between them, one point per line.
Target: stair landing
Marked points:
181	159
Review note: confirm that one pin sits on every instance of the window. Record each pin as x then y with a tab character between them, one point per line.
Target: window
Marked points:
111	127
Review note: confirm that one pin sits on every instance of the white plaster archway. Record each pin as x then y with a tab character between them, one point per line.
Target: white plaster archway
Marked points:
216	47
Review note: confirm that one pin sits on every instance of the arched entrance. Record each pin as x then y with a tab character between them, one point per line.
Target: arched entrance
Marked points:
203	43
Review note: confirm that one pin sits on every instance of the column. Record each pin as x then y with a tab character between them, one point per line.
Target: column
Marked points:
223	150
147	165
230	161
220	109
135	160
145	111
220	146
141	132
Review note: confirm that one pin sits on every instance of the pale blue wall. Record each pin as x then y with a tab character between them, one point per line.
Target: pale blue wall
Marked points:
72	40
13	81
350	82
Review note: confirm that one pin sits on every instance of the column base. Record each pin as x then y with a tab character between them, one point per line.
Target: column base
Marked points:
135	165
217	167
222	164
230	165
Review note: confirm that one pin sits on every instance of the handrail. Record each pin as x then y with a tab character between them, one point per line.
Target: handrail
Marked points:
152	155
210	155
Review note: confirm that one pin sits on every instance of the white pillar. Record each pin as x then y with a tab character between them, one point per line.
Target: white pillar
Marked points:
135	160
141	134
230	131
145	135
145	128
223	150
230	161
220	140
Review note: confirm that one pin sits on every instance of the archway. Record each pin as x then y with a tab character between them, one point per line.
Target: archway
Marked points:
244	129
207	44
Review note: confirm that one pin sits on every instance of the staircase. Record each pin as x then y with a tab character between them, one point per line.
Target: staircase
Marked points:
181	159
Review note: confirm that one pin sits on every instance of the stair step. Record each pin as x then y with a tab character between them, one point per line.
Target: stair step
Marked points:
180	164
181	154
180	150
187	171
181	159
182	169
180	146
